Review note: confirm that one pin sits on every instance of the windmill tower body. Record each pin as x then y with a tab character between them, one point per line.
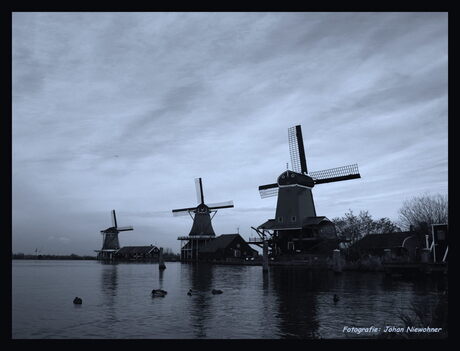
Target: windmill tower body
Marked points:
202	231
110	242
202	222
296	227
295	201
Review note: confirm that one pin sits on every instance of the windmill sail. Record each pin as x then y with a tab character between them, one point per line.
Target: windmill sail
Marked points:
183	211
216	206
336	174
199	191
268	190
124	229
114	219
296	150
264	193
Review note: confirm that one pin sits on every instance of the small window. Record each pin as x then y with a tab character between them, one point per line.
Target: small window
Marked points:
293	218
280	219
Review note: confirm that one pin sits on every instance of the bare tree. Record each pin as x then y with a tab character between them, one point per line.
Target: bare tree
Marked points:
422	211
354	227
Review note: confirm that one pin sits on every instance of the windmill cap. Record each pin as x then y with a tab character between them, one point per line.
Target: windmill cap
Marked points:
202	208
293	178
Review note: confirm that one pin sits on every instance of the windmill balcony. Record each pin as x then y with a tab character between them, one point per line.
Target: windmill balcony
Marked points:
196	237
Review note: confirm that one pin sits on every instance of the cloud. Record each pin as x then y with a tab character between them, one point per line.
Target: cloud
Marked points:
123	111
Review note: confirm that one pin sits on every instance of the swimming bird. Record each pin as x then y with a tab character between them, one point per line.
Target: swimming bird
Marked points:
189	292
77	301
158	293
336	298
216	291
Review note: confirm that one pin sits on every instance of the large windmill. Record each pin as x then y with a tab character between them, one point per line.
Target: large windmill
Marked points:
110	242
202	230
296	227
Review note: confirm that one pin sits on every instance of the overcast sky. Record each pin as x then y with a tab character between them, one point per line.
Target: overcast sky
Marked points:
123	110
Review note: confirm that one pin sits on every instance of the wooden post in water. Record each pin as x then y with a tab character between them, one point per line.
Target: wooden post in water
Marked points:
161	262
336	262
265	256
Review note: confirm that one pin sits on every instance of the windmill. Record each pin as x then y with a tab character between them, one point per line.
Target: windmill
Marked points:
110	242
202	230
296	227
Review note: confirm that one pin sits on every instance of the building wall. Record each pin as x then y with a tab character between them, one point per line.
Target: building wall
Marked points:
238	249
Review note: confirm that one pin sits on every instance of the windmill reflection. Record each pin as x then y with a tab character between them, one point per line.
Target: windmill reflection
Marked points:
109	284
160	278
201	278
296	295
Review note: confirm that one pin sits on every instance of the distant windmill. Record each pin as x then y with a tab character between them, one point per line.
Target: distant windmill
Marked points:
110	242
296	226
202	230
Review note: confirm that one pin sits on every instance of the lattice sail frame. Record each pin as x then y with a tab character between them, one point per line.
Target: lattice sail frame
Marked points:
199	191
335	174
114	219
294	150
264	193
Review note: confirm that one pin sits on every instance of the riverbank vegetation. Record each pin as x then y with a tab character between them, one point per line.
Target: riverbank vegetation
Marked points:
168	256
416	215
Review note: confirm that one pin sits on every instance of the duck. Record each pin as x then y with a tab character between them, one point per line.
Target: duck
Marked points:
189	292
216	291
77	300
336	298
159	293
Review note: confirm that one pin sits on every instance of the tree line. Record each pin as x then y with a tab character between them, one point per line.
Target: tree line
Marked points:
418	214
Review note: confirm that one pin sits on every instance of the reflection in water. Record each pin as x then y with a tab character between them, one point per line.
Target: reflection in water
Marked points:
286	302
160	278
201	279
109	284
296	292
265	282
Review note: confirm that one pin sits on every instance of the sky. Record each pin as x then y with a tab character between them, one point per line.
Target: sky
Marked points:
124	110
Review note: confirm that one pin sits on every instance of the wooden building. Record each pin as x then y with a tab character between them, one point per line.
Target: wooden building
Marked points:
403	246
226	247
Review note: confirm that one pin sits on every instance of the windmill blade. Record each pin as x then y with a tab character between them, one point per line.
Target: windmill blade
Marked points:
226	204
124	229
268	190
199	191
183	213
336	174
296	150
114	219
179	211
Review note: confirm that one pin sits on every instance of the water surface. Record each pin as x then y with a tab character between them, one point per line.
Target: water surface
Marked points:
285	303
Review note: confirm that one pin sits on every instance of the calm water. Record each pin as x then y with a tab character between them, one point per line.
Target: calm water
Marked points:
286	303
